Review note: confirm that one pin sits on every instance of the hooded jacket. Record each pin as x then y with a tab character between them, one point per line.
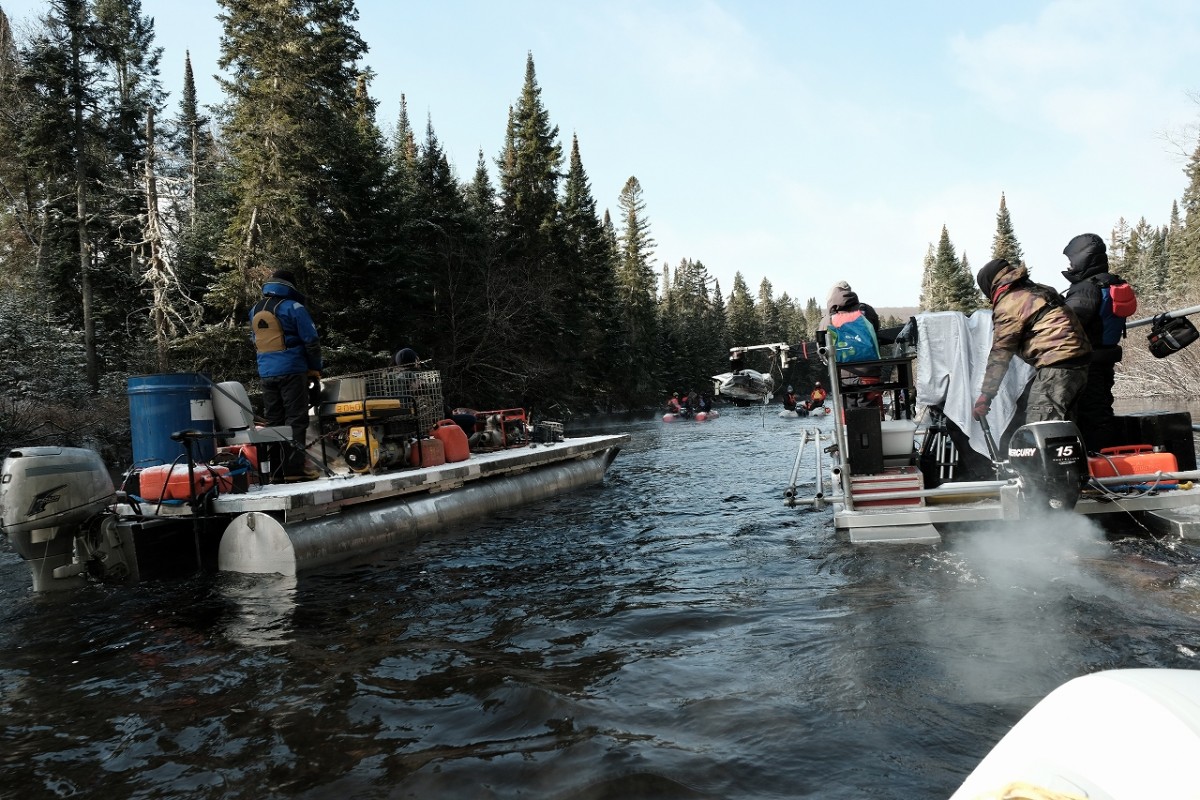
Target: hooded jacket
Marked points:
302	345
1028	320
1088	273
843	300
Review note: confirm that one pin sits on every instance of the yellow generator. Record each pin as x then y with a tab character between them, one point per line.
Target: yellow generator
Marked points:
375	416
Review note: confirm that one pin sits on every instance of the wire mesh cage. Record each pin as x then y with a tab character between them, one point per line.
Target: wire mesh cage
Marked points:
424	387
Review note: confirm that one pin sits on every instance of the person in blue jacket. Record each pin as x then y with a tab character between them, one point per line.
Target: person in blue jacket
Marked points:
289	360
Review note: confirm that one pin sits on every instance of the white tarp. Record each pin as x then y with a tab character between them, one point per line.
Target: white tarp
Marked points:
952	352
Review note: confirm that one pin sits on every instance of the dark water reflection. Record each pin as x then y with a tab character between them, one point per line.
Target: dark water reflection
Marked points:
673	633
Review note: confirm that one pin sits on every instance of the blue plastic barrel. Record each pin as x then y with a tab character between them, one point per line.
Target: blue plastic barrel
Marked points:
160	405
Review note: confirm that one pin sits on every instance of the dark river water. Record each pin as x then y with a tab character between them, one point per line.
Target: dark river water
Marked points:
674	632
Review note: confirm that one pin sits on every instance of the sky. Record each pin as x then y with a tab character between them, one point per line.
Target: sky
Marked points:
797	141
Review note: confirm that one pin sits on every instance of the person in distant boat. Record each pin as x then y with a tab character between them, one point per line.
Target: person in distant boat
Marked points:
1032	321
703	403
673	404
289	361
789	400
855	329
817	398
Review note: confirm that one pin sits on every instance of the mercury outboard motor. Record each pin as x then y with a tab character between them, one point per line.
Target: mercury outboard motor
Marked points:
1050	463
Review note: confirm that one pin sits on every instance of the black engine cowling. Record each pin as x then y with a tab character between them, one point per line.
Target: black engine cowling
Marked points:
1050	463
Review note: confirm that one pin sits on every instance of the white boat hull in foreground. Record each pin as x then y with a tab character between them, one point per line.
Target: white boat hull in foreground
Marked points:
1125	734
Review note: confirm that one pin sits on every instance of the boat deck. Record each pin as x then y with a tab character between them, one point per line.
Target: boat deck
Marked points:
298	501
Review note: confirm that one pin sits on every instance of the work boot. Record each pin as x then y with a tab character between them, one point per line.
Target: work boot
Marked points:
298	469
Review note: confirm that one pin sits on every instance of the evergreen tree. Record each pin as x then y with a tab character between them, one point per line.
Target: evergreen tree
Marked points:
64	136
19	196
969	297
768	313
1177	278
949	288
306	166
812	315
1004	242
1140	240
200	207
589	285
529	178
1152	276
636	290
927	276
1118	246
745	328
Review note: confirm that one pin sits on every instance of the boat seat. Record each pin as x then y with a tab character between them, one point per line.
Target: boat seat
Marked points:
233	412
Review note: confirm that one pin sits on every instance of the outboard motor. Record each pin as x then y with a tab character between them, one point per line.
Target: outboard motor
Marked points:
47	497
1050	463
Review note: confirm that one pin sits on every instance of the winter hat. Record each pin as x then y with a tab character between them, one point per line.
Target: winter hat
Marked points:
987	275
1087	256
842	297
406	357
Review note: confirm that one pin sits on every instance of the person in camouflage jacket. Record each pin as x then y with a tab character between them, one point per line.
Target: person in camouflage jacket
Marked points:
1030	320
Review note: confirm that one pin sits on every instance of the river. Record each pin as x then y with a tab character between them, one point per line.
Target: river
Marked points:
674	632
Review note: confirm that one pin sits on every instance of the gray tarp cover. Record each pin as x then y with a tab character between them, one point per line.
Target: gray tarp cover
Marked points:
952	352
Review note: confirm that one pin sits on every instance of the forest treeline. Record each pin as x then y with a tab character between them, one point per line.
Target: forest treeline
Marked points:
135	236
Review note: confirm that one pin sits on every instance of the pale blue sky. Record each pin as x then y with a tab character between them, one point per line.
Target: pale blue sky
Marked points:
803	142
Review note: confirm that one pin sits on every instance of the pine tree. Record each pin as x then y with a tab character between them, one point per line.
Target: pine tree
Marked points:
529	179
1004	242
636	290
948	287
1118	246
1177	278
768	313
306	176
927	276
61	136
744	323
589	286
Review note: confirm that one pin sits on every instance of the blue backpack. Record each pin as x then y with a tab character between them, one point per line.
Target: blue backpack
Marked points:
854	337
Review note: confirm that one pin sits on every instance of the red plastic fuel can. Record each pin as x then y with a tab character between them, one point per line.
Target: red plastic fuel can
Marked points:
454	440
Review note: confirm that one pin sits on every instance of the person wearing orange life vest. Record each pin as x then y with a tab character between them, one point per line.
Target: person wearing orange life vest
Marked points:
855	326
289	360
789	400
817	398
673	405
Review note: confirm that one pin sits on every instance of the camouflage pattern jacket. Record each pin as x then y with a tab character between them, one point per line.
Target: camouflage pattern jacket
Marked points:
1030	320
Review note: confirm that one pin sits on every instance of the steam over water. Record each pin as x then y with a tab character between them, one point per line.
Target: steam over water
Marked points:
674	632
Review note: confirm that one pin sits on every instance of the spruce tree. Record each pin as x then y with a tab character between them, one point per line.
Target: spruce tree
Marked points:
306	170
945	287
1178	280
529	178
745	328
636	293
1118	246
64	136
589	286
1004	242
927	276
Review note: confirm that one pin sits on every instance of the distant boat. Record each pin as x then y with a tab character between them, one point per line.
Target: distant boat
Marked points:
747	387
744	387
